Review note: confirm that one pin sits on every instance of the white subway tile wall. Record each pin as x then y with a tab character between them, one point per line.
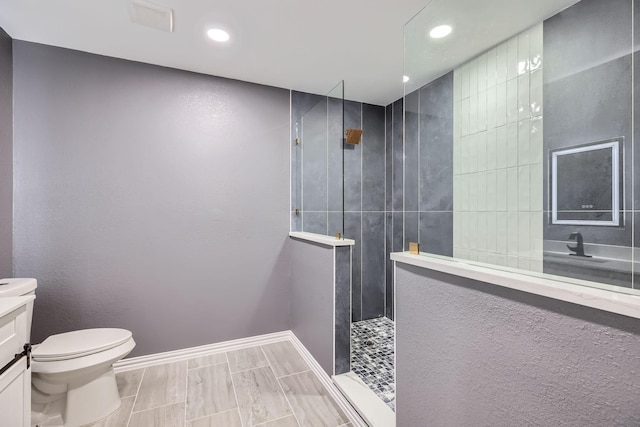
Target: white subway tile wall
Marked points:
498	153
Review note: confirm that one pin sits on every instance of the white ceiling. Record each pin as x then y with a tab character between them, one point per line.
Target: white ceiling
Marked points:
478	26
302	45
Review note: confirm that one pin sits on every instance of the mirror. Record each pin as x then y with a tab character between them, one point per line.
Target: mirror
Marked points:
585	184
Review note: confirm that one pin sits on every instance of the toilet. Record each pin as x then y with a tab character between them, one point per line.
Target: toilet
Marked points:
72	378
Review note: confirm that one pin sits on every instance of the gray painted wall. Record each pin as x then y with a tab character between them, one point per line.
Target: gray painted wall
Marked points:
312	299
471	353
6	155
150	199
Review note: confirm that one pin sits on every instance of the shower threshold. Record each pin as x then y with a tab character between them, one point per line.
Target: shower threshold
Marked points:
370	407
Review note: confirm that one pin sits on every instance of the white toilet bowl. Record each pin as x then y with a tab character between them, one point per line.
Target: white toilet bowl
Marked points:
72	379
72	375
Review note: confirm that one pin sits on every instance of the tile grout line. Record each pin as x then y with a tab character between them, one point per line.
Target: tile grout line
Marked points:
271	421
295	373
216	413
362	214
384	204
144	371
281	389
233	385
165	404
205	366
249	369
327	169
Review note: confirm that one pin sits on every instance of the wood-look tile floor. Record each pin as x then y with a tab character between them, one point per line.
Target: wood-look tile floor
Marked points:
267	386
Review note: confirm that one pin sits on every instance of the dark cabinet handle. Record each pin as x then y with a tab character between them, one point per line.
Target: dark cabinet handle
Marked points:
26	352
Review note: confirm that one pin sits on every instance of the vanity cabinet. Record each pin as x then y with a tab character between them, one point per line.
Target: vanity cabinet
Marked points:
15	381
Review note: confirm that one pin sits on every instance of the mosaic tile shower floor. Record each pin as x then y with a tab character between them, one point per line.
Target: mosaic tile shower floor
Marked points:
372	347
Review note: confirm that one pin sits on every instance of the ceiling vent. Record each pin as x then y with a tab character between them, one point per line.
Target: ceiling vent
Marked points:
151	15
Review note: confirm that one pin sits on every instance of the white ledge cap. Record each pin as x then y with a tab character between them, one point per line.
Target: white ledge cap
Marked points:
614	301
321	238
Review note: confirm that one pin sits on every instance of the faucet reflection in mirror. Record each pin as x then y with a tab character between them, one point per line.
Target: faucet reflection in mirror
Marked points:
578	249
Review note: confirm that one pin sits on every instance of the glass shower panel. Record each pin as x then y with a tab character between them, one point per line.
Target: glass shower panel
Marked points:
317	169
518	138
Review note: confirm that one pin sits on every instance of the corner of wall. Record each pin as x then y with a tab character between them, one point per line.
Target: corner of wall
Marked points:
6	154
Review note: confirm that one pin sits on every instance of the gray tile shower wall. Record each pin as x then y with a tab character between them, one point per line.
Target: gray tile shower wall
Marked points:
301	103
388	113
342	345
419	179
314	160
436	146
373	265
365	198
636	112
411	158
395	194
435	197
353	159
319	167
6	155
316	163
422	205
335	155
392	194
373	159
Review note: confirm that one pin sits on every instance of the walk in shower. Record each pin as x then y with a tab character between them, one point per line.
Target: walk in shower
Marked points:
512	148
343	188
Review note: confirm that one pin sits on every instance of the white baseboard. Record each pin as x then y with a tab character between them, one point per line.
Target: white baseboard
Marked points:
189	353
342	402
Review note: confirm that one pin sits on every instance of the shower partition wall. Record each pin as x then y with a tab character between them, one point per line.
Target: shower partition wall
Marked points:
317	187
352	189
519	138
339	187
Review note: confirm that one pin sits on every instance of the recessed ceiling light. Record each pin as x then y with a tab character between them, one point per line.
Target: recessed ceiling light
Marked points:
440	31
405	79
218	35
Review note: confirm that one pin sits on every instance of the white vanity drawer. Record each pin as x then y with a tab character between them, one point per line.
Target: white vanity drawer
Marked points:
13	334
15	381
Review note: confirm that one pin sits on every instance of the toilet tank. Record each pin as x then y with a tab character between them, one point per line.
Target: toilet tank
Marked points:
20	287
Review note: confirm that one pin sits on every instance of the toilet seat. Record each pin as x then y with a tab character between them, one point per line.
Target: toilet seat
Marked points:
80	365
76	344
